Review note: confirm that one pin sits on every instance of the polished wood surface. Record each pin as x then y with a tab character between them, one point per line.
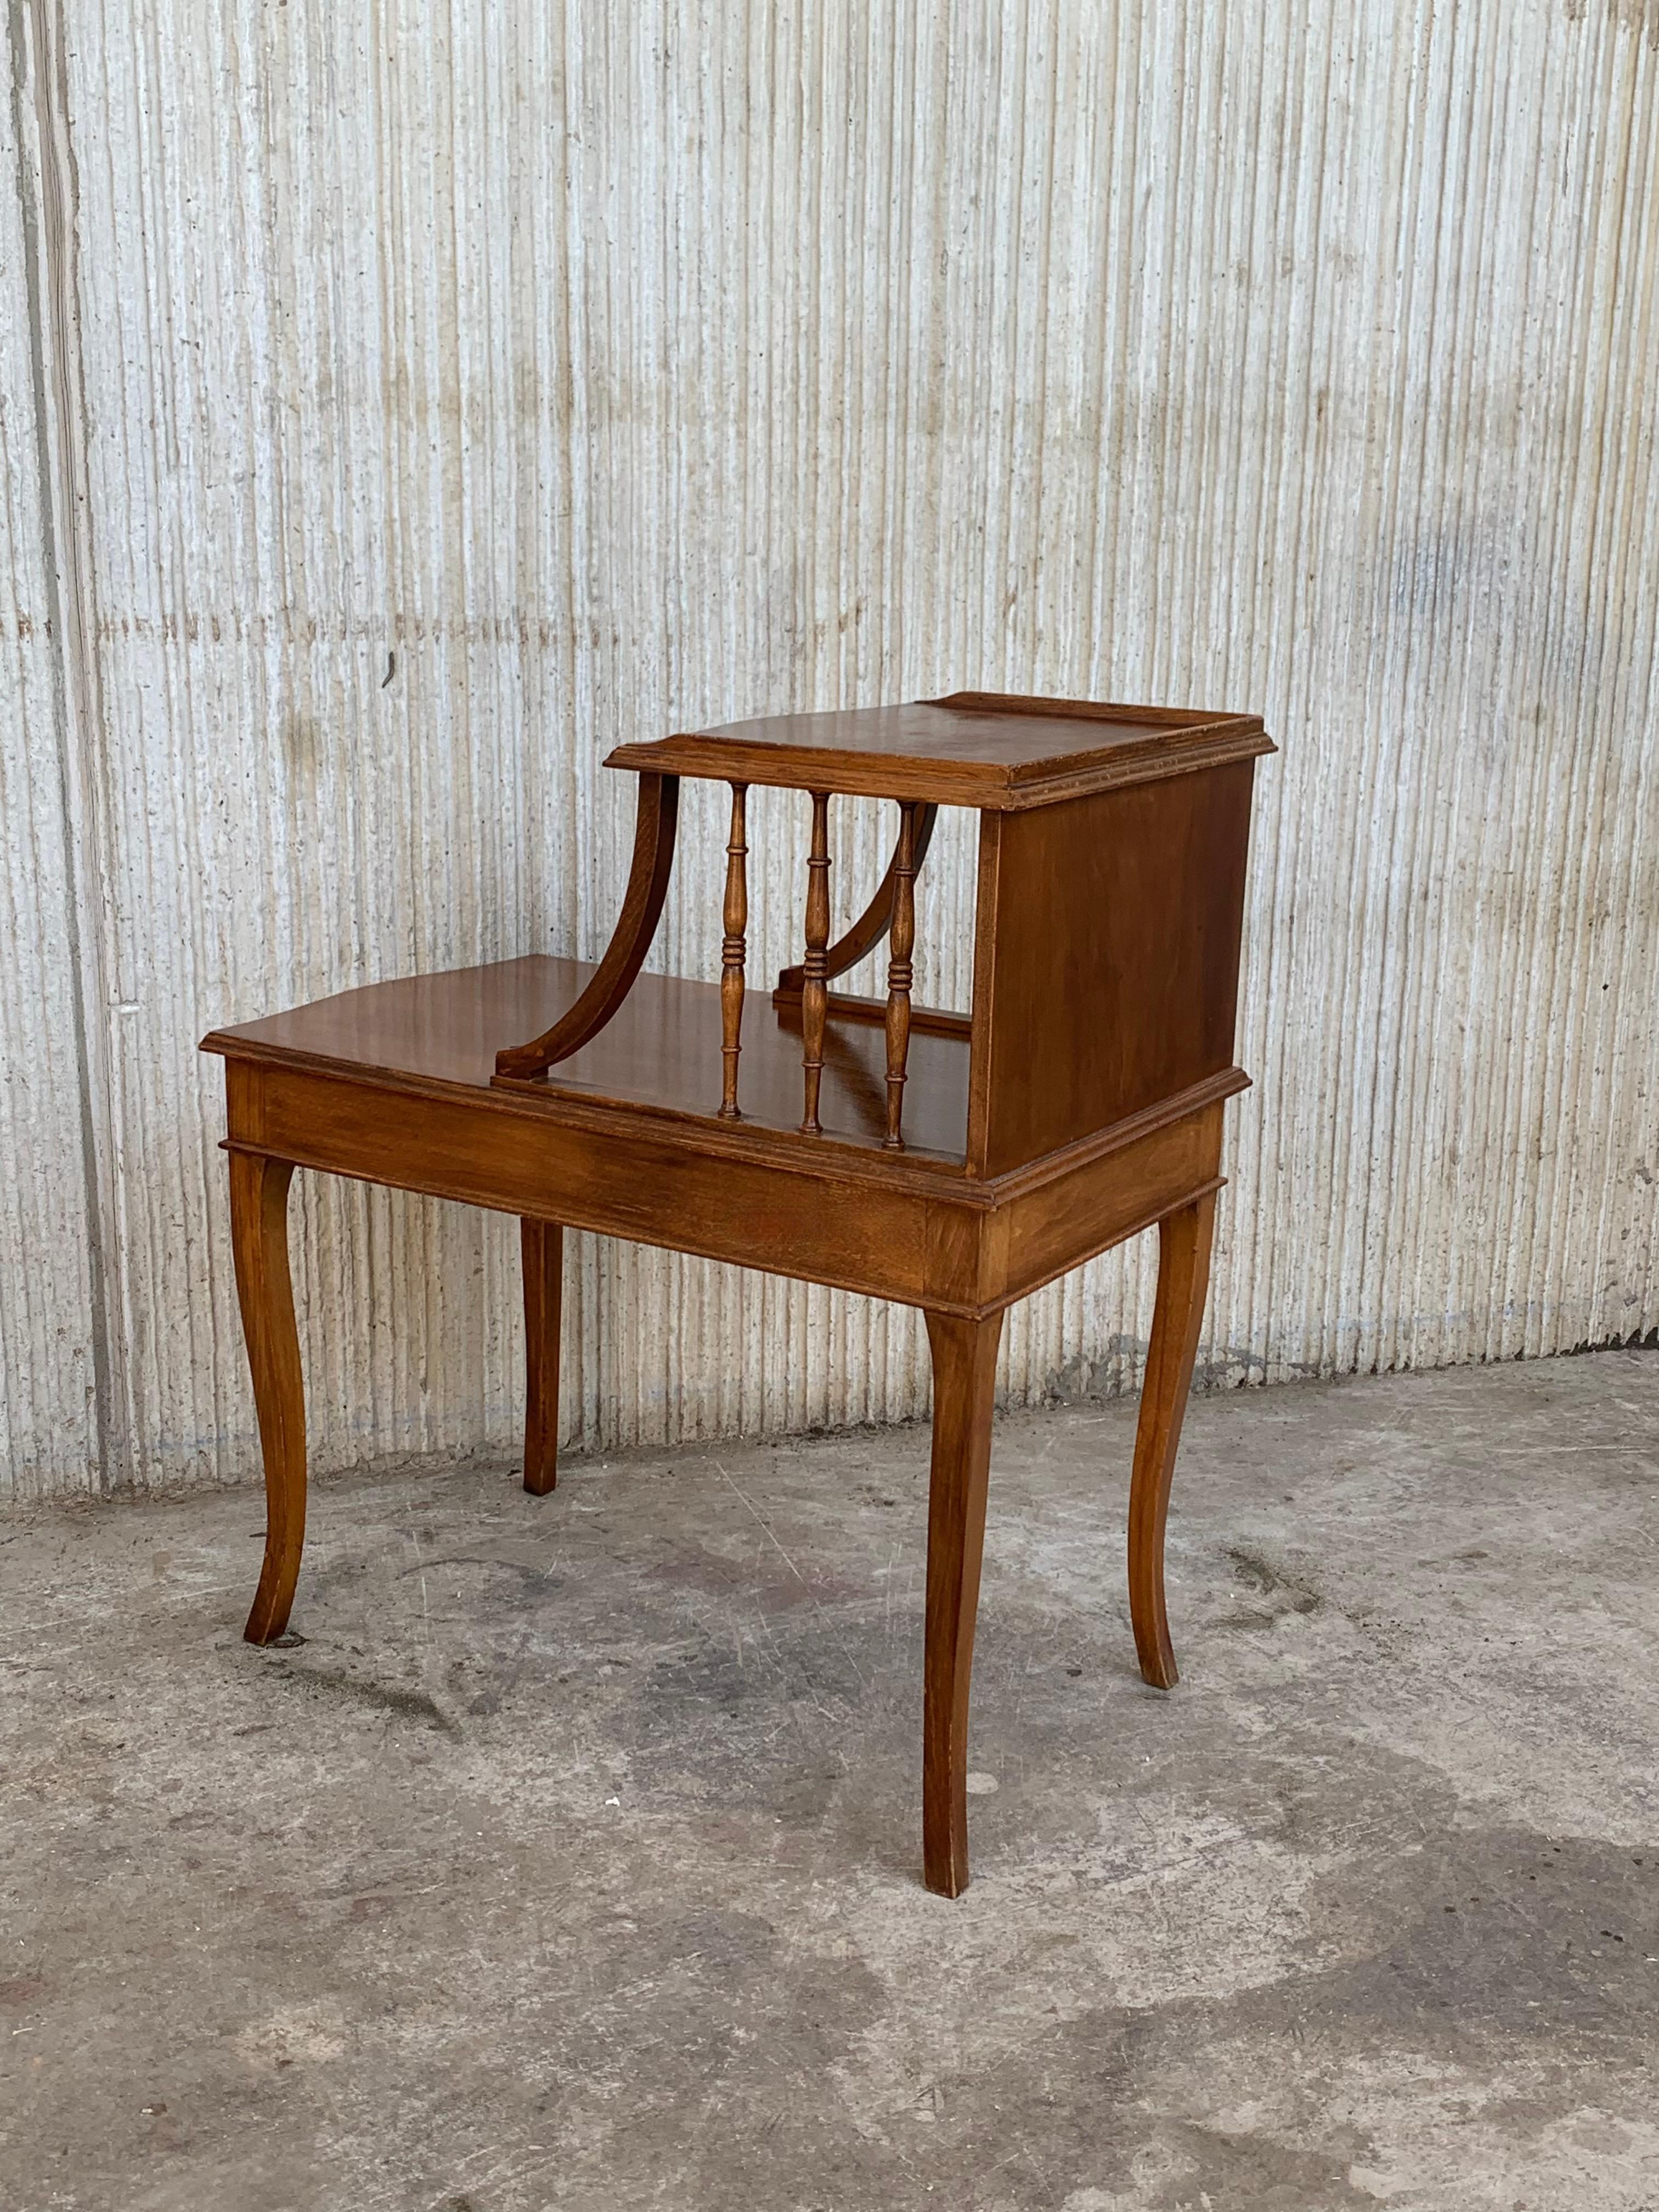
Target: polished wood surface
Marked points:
1109	931
542	1247
265	1289
965	1382
733	953
900	975
1183	1279
973	748
878	1223
953	1161
662	1052
814	990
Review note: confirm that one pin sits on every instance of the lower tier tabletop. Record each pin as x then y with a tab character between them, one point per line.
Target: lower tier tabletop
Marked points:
661	1049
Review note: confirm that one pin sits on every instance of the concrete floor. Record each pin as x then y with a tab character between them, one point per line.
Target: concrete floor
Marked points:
572	1857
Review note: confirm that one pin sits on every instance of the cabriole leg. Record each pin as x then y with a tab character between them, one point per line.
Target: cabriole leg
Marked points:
259	1230
965	1379
543	1243
1184	1279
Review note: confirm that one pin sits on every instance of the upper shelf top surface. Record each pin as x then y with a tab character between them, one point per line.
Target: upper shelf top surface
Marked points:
981	749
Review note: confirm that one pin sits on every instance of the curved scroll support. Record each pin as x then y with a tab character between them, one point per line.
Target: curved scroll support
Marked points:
636	925
873	924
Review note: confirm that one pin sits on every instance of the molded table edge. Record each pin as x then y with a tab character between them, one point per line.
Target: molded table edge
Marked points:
825	1158
990	788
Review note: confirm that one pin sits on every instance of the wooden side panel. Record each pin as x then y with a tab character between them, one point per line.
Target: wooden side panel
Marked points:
1097	1204
1106	969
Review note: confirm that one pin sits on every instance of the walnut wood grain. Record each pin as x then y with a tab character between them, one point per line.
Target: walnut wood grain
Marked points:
542	1246
641	910
660	1056
965	1380
264	1289
1184	1279
814	997
973	748
733	952
1106	966
888	1225
899	974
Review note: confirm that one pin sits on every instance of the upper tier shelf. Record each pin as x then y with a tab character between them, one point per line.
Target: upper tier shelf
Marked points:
976	748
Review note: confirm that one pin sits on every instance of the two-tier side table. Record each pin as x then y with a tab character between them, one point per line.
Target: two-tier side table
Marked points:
952	1162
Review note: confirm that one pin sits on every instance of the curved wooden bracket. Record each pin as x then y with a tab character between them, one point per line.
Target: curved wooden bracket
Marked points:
873	924
636	925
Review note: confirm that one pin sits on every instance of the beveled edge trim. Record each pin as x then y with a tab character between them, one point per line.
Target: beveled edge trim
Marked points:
1055	709
1180	1106
1205	750
938	1176
992	789
829	1158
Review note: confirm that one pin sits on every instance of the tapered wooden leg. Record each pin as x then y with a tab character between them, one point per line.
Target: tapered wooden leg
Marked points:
1184	1277
543	1290
964	1377
258	1232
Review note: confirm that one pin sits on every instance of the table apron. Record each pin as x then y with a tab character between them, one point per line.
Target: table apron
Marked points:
962	1255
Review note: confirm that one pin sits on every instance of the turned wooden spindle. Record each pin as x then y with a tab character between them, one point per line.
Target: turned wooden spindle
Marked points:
814	989
732	952
902	939
873	925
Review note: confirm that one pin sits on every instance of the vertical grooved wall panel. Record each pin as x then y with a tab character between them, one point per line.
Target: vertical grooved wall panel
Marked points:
463	390
49	1414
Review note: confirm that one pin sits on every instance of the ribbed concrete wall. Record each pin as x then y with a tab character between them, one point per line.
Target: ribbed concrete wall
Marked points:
51	1332
402	404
